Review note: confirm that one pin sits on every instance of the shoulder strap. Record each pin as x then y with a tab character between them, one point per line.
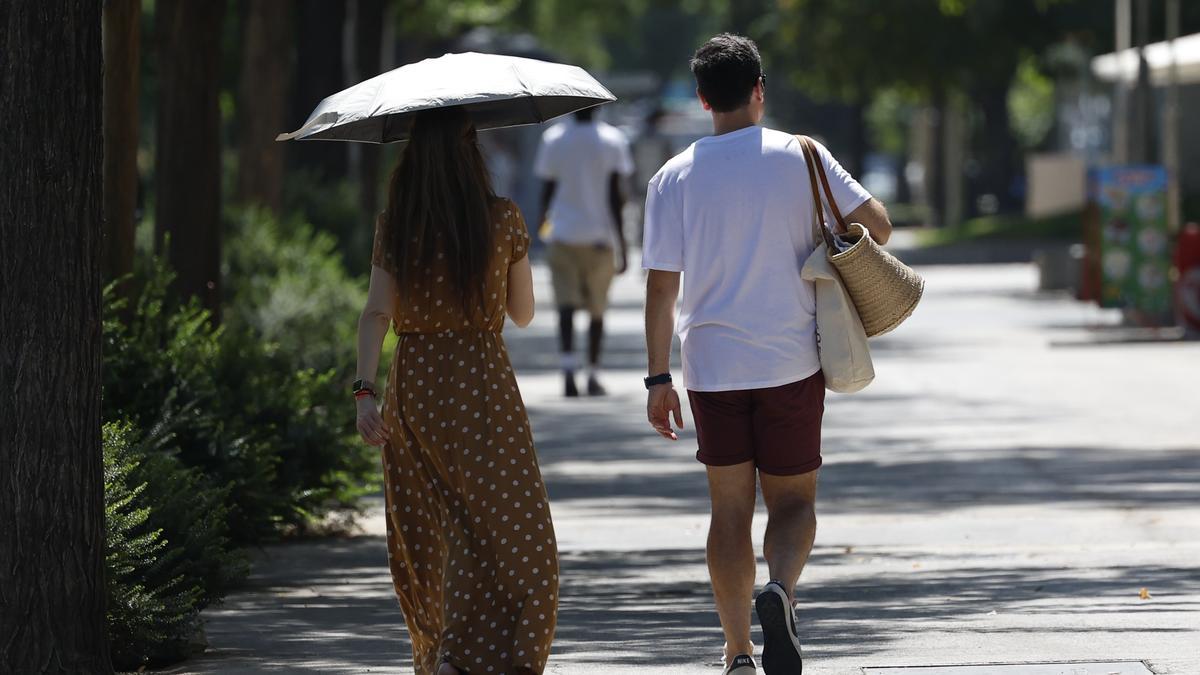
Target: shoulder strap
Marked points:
820	232
816	159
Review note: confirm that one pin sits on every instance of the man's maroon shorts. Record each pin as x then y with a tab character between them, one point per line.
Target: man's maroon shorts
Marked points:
778	428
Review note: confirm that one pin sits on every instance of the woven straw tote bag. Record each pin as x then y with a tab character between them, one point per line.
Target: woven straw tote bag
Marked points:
884	290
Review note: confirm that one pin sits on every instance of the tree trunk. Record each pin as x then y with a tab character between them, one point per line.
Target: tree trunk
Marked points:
51	212
900	171
319	44
122	38
858	139
188	161
368	33
262	102
998	165
935	174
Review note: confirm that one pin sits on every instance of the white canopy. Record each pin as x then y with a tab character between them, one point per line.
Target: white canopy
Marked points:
497	91
1123	65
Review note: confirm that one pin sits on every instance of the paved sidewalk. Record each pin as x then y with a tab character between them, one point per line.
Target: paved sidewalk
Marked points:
1001	493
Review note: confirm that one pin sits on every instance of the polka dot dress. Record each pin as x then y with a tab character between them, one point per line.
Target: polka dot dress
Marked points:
470	542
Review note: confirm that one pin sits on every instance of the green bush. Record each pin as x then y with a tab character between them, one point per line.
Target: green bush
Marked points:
222	437
167	556
287	288
285	282
275	435
332	207
1065	227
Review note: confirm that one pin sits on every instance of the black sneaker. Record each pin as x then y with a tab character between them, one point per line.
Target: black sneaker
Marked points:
595	388
781	648
741	664
570	389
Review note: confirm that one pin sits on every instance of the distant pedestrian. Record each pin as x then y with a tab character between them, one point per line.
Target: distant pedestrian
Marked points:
733	213
469	537
582	162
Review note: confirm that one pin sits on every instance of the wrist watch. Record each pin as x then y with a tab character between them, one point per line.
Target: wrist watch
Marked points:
364	385
656	380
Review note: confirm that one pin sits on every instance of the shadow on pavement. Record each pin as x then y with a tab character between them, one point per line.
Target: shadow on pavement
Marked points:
596	453
616	606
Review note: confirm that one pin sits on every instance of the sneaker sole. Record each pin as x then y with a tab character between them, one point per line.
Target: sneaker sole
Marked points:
781	647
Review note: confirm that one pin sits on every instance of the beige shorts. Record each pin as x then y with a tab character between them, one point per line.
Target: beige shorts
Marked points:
581	275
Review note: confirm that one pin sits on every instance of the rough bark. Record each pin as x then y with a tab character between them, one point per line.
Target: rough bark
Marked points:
188	158
262	102
319	49
52	593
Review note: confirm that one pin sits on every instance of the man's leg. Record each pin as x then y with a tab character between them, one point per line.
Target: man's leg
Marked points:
566	343
598	278
791	525
567	282
595	346
787	446
731	563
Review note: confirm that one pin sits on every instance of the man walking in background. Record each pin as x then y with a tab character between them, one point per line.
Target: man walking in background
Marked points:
582	162
733	213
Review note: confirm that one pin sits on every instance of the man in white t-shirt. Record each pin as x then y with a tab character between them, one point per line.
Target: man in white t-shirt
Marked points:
582	162
733	215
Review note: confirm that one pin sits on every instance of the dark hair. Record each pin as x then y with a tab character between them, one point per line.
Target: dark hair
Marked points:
439	202
726	68
585	114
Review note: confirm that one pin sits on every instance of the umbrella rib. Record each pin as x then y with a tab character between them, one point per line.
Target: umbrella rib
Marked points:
516	71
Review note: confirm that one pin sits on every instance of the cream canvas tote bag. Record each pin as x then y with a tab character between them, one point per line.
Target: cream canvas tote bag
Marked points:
841	339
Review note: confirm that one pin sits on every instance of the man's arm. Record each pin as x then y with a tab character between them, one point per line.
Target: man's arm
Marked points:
616	202
874	217
662	289
548	187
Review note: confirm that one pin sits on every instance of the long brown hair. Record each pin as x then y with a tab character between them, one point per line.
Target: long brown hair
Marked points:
439	202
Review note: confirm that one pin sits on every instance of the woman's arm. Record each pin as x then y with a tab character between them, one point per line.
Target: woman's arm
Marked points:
520	292
373	326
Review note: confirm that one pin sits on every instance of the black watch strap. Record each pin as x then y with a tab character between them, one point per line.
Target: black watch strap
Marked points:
656	380
364	385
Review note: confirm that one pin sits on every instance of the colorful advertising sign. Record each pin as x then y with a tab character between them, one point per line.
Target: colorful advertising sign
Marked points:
1135	254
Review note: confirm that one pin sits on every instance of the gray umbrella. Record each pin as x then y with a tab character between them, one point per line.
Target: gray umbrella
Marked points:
497	91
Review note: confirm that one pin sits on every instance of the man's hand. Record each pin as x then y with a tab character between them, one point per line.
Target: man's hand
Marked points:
662	403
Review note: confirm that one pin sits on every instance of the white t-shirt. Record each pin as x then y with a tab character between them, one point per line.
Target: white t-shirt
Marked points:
734	213
581	157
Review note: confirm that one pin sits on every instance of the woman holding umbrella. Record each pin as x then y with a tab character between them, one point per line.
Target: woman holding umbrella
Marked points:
470	541
471	545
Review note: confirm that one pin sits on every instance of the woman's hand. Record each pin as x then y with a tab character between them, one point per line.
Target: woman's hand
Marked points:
370	422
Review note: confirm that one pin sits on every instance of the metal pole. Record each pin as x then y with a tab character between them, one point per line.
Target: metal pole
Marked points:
1170	136
1120	113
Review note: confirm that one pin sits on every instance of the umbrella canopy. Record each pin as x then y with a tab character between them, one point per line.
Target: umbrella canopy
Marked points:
497	91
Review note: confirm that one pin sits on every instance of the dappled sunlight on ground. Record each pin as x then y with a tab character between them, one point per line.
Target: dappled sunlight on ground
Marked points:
992	497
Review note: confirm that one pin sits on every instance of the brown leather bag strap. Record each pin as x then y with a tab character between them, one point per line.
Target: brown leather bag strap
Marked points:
820	232
837	213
